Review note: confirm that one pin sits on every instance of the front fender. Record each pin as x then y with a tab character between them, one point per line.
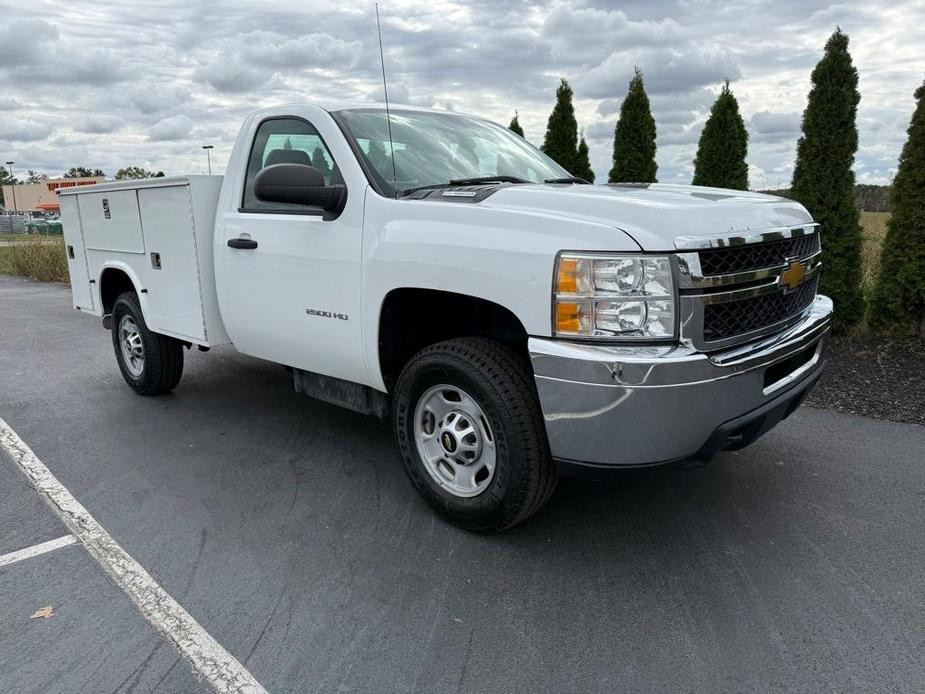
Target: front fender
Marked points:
503	256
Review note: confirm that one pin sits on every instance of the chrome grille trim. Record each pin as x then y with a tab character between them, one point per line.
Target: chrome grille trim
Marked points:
748	292
691	277
699	290
685	243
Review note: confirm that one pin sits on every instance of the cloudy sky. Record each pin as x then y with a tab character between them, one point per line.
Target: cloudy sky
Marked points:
107	84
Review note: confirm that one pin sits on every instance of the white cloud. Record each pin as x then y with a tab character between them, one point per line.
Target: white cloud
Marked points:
590	34
23	131
99	124
232	75
21	41
769	123
311	51
172	128
34	54
158	97
667	70
607	106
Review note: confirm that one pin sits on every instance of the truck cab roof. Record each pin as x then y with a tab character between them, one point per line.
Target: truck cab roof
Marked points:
332	106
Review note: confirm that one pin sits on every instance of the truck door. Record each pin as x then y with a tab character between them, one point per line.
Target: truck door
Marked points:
294	297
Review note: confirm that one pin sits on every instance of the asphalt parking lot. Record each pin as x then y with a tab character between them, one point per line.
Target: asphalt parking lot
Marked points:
287	529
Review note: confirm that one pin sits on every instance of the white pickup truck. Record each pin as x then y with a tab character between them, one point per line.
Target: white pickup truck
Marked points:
514	322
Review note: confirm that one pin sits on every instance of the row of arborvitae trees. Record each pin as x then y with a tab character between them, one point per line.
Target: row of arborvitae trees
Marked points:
720	157
823	180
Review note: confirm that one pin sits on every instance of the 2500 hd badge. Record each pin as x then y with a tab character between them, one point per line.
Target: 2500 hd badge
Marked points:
326	314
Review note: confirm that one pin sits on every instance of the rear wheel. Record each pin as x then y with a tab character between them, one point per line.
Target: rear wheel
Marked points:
471	435
151	364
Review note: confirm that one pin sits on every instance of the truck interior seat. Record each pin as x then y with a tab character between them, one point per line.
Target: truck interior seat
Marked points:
288	156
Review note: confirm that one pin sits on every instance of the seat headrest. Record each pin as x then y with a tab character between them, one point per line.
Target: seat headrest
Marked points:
288	156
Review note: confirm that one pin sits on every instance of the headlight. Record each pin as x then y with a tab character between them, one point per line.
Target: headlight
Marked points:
614	296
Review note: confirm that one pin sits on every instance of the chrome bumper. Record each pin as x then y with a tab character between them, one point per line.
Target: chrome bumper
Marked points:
631	406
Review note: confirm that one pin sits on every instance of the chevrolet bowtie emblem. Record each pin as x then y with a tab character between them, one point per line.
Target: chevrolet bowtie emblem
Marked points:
792	277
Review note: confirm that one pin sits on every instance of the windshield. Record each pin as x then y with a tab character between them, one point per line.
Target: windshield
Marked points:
433	149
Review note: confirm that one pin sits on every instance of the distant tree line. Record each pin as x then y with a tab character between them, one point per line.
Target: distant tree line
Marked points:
83	172
32	176
867	197
823	181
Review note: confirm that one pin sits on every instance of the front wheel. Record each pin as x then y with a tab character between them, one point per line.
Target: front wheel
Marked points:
151	363
470	432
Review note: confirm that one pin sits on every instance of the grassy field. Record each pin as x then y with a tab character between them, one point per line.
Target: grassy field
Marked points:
38	257
873	231
5	261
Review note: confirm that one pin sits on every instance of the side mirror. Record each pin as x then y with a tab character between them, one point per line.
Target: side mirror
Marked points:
298	184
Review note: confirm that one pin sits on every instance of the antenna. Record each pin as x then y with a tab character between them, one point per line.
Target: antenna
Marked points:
388	115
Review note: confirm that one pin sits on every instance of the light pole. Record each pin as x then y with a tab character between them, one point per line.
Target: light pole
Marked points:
9	169
208	149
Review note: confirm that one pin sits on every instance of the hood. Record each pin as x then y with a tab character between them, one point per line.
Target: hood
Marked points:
655	214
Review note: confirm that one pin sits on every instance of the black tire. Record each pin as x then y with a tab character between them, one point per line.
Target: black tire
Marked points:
502	385
163	356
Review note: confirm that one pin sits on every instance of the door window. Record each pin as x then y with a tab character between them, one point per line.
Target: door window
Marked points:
286	141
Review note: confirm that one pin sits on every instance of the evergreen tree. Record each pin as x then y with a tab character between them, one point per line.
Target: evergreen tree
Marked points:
634	137
823	180
899	295
583	162
723	145
561	142
514	127
320	162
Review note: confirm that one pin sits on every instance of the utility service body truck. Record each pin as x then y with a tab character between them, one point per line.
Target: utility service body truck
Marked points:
434	268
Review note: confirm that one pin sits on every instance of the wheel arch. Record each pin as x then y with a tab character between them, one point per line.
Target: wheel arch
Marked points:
117	278
401	332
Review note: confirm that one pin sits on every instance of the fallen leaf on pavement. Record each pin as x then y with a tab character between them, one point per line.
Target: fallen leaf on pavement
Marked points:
44	612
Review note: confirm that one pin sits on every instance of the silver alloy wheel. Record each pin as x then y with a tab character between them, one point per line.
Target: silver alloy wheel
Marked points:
133	352
454	440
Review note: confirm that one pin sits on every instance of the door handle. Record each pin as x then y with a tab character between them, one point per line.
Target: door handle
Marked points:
243	244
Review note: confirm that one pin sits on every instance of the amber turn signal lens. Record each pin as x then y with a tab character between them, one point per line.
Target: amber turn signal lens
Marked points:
567	282
567	317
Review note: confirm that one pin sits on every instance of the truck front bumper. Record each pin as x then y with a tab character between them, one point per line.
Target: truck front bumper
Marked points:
618	407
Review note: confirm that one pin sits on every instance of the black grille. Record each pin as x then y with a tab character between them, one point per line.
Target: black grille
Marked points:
726	261
732	318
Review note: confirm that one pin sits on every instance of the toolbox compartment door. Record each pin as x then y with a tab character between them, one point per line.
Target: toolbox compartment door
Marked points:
81	287
172	268
111	221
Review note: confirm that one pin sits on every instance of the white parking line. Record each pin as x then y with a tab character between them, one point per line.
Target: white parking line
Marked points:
209	661
36	550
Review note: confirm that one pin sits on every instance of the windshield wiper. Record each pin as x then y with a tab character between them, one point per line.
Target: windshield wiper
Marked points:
568	179
487	179
467	182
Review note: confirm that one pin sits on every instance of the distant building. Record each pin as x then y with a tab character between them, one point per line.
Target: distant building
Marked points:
32	198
